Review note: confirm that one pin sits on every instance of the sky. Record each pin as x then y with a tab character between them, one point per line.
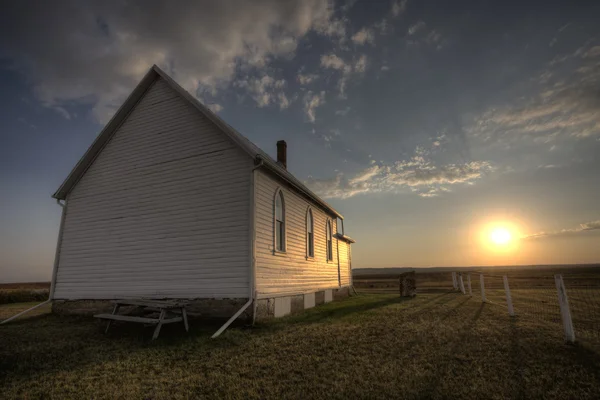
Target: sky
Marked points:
427	124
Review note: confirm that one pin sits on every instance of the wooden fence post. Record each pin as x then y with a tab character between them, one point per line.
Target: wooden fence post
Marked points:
469	284
482	287
511	311
462	284
454	282
565	312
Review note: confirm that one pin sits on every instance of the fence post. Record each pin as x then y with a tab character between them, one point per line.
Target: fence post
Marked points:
462	284
469	284
565	312
511	311
454	282
482	287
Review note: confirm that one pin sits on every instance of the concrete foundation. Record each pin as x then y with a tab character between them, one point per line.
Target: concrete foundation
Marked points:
285	305
265	309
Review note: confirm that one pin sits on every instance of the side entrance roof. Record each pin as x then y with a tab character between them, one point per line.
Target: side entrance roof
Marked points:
239	139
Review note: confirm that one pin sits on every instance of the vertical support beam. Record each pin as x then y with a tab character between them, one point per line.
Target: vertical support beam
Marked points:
462	283
565	312
454	282
469	284
58	246
482	283
511	311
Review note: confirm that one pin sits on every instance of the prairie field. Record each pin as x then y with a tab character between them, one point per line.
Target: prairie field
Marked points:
440	344
24	292
533	292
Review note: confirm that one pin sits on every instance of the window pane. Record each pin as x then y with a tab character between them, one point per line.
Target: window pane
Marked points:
279	207
311	248
309	222
280	234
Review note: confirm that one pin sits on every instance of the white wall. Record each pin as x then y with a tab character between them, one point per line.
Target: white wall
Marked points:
162	212
291	272
345	272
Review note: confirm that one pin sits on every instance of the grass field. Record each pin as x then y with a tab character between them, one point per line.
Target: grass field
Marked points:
533	291
24	292
437	345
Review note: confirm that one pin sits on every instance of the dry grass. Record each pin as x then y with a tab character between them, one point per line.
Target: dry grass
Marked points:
439	345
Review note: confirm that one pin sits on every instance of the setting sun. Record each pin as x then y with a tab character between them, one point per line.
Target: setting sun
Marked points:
500	236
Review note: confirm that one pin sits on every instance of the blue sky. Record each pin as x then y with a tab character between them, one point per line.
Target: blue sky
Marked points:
423	122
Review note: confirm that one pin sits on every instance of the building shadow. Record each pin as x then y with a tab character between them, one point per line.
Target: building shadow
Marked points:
435	382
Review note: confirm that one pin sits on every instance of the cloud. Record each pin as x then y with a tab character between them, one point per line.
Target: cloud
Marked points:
214	107
385	68
306	79
419	34
363	36
93	54
343	112
588	226
417	174
265	90
361	64
311	102
565	104
332	61
414	28
398	7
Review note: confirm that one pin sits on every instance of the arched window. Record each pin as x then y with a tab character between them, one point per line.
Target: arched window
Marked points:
329	241
279	221
310	237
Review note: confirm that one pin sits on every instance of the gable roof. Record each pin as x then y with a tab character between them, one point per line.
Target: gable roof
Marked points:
236	137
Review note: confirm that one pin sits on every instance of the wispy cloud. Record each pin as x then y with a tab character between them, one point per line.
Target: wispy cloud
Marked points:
215	107
420	34
416	27
363	36
332	61
418	174
343	112
398	7
565	105
305	79
588	226
311	102
265	90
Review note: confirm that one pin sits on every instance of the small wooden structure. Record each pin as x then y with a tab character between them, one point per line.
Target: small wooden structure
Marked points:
170	312
407	284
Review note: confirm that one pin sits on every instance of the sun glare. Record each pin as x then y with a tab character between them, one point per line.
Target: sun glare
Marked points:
500	236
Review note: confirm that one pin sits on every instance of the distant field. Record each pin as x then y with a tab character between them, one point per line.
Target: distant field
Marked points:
24	292
25	285
435	346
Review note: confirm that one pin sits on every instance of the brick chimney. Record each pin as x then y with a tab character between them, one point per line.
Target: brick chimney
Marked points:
282	153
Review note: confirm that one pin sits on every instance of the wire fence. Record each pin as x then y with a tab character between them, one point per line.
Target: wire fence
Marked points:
567	303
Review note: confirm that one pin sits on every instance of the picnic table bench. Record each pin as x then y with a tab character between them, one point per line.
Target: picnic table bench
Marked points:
170	312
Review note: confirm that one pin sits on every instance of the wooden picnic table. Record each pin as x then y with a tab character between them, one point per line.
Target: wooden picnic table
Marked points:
170	312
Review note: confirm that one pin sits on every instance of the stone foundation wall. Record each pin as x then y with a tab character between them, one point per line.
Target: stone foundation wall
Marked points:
197	308
212	308
289	305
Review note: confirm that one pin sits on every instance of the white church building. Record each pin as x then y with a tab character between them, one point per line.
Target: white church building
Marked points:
170	202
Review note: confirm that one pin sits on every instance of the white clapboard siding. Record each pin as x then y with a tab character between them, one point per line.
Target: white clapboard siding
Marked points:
291	272
163	211
344	249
